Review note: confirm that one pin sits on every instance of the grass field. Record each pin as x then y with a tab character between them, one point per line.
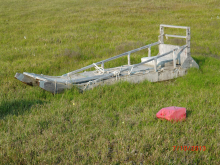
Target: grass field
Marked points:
114	124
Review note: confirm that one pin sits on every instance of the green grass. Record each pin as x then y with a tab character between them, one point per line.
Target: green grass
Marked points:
114	124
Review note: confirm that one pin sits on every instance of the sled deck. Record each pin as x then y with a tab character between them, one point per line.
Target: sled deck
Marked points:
171	62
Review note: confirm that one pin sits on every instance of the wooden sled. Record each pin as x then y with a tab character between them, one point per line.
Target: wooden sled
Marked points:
171	62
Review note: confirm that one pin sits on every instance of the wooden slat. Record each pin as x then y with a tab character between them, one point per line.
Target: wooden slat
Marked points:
26	79
175	36
112	58
173	26
136	65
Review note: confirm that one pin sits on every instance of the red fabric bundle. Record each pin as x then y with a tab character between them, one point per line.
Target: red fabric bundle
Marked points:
172	113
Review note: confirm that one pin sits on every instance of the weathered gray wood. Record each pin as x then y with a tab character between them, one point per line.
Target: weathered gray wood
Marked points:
136	65
112	58
57	84
136	78
129	58
173	26
174	59
189	62
149	52
131	73
161	34
166	74
52	87
26	79
155	64
175	36
81	80
188	38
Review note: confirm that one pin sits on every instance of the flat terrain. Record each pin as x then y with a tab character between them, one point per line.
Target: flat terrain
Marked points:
114	124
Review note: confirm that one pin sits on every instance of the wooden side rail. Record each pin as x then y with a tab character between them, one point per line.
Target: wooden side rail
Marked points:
112	58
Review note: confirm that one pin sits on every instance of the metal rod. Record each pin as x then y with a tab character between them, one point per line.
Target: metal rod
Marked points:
102	65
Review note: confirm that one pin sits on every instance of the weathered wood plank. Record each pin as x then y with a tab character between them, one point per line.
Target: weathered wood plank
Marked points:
136	65
173	26
112	58
175	36
26	79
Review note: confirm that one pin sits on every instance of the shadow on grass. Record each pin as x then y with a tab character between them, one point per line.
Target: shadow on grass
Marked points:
188	113
17	107
203	60
200	60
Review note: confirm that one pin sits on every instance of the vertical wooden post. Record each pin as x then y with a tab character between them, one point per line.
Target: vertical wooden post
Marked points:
149	52
129	58
55	87
188	38
161	34
155	64
174	59
102	65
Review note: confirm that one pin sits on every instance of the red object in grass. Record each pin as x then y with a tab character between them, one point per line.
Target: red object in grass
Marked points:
172	113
